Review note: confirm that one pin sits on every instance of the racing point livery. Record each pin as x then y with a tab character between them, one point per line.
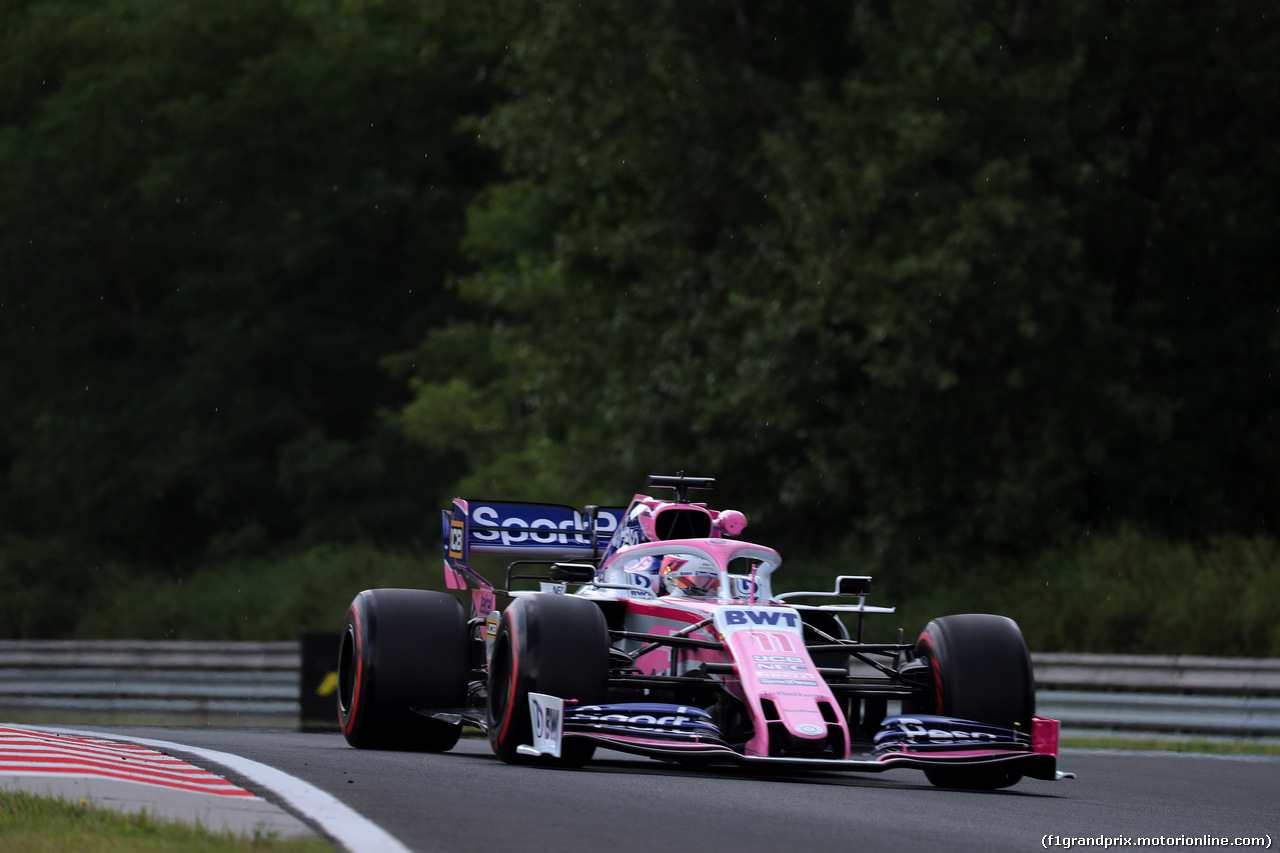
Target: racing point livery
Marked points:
654	630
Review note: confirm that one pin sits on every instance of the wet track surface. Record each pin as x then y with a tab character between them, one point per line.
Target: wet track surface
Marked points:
467	800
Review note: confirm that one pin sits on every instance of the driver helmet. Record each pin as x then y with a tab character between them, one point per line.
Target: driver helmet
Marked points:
690	575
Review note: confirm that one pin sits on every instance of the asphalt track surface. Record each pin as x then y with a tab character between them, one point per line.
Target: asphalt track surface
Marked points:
466	800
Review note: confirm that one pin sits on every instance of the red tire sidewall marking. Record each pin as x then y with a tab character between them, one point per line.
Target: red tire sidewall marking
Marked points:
358	651
513	645
927	641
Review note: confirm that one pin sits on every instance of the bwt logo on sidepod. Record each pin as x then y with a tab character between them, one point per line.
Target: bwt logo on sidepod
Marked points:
643	585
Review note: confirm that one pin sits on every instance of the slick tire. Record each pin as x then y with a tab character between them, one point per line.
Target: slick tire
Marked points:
980	670
553	644
402	649
828	624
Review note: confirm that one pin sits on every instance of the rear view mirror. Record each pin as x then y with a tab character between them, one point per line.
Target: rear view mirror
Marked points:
853	585
572	572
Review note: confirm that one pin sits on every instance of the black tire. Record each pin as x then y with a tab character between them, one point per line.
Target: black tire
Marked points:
402	649
980	670
551	644
830	625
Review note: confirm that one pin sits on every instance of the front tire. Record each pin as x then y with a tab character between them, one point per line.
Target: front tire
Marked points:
980	670
550	644
402	649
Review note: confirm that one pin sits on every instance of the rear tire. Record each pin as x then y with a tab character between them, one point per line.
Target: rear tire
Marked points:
402	649
980	670
550	644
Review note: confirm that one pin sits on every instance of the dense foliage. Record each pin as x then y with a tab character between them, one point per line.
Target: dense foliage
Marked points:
942	284
968	281
216	220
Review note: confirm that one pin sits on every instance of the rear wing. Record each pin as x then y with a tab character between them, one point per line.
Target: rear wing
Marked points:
519	529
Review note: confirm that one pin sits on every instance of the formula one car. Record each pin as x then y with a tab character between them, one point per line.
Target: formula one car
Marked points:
652	630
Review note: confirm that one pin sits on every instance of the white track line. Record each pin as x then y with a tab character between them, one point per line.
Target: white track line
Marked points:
348	827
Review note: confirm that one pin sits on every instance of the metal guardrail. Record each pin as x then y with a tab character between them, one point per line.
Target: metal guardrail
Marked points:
267	685
1161	712
1155	693
1159	673
214	684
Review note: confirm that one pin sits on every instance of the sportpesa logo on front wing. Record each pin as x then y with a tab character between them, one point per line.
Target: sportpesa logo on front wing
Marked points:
929	729
644	716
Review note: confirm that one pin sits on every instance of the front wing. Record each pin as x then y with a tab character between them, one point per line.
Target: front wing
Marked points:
671	732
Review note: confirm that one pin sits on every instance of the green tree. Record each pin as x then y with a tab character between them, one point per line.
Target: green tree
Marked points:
619	259
216	220
951	278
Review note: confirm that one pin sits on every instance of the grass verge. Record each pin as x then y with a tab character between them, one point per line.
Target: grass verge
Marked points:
32	824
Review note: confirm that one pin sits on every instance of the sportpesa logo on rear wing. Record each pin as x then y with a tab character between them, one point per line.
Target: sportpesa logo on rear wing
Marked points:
532	529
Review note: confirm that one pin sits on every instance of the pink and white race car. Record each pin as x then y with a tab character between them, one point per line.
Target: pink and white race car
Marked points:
653	630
